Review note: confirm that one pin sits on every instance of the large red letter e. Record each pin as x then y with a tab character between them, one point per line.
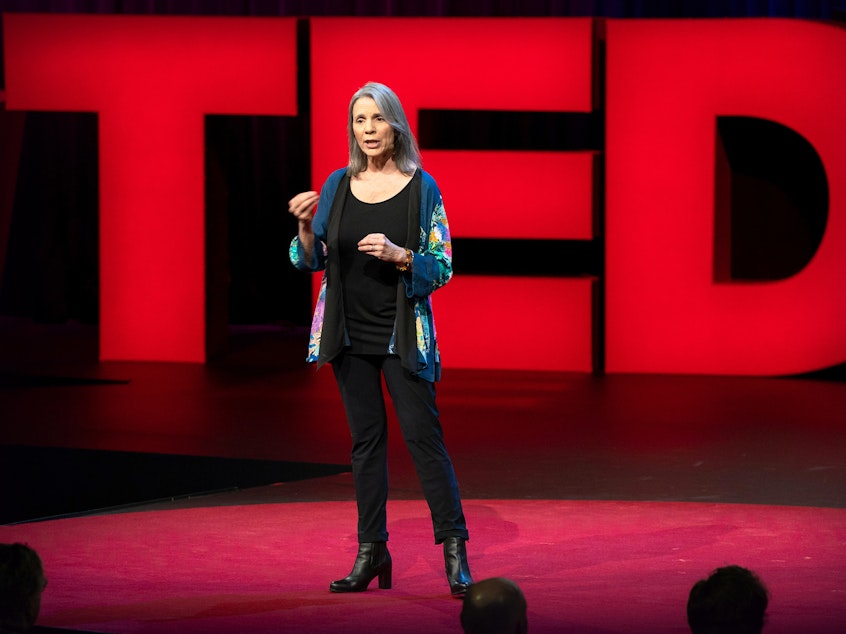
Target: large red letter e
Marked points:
152	80
526	64
667	82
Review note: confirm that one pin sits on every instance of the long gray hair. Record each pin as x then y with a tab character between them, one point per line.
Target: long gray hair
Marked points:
406	152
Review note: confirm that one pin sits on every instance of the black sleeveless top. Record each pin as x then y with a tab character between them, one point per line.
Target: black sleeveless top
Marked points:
369	285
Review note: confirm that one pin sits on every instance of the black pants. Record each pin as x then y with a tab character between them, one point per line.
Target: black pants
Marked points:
360	382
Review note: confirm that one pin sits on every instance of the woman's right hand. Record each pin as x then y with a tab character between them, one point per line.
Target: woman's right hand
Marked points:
302	206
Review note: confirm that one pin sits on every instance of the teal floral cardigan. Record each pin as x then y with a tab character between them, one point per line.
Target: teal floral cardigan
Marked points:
414	338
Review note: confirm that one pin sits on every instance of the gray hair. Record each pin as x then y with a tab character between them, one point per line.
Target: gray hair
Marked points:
406	152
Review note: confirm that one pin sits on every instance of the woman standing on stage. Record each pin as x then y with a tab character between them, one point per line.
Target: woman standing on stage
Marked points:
381	236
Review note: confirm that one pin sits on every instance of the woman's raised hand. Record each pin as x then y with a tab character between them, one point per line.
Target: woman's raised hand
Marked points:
302	206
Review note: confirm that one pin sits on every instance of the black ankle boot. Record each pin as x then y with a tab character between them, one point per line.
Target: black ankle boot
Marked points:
457	568
373	559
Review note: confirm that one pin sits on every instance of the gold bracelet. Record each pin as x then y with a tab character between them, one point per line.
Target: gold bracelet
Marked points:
409	258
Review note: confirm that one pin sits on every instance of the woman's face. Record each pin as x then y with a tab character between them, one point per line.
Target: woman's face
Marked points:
373	133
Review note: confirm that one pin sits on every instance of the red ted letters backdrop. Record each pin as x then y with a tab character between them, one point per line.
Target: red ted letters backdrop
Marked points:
152	80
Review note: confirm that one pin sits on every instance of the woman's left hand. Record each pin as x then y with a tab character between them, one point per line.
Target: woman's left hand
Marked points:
378	245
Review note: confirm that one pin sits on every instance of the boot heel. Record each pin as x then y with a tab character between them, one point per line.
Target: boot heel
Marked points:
385	578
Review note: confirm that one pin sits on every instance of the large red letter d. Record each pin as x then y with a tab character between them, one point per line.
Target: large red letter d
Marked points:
667	82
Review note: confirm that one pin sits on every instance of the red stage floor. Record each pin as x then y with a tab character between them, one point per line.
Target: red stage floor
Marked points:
585	567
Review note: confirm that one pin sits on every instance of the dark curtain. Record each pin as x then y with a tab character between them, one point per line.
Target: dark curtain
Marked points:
253	164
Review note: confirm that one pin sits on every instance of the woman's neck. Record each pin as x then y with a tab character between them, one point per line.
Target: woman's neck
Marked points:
381	165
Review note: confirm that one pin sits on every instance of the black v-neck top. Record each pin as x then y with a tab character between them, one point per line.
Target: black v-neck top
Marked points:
369	285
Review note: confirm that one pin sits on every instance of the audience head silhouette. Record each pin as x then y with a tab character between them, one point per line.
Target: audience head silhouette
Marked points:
730	601
494	606
21	583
